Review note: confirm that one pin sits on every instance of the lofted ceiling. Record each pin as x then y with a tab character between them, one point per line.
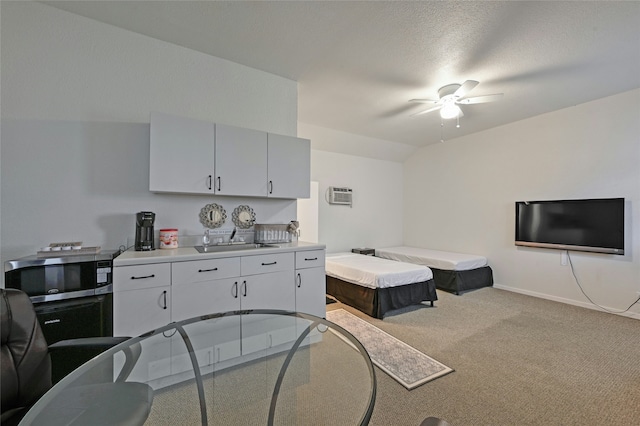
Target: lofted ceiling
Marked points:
357	63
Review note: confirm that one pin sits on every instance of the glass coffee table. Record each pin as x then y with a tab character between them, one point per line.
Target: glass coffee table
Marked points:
257	367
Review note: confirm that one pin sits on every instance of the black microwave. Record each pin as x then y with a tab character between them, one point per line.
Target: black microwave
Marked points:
65	277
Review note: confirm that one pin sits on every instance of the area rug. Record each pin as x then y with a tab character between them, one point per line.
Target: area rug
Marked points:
407	365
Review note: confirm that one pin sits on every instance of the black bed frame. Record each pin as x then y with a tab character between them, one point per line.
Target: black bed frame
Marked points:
377	302
459	281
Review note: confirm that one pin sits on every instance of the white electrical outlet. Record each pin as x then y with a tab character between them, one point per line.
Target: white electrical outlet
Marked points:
563	258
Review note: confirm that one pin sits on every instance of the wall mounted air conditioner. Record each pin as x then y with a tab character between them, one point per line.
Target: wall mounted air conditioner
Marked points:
342	196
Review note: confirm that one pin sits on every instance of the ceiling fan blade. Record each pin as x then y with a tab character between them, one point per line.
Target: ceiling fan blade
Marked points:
424	101
427	110
481	99
466	87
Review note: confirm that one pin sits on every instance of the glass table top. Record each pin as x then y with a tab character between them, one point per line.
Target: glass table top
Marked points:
258	367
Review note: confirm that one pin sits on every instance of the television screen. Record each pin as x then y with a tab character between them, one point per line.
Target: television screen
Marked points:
595	225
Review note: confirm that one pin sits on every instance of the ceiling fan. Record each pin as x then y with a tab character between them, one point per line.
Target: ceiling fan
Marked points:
453	95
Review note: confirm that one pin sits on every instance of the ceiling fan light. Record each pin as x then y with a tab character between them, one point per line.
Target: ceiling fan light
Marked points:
449	110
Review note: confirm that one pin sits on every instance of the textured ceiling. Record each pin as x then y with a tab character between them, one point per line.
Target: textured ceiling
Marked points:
358	63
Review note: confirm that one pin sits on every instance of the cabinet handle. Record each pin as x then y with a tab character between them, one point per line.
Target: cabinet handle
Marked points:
299	280
270	187
244	288
268	264
270	341
235	290
164	295
207	270
142	278
313	258
219	183
209	181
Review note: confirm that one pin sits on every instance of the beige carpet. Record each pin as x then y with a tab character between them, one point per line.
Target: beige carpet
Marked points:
519	360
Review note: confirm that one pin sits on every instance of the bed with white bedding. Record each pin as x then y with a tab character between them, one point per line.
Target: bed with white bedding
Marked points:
454	272
374	285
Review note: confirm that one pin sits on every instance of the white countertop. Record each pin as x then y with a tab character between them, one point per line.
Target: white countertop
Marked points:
181	254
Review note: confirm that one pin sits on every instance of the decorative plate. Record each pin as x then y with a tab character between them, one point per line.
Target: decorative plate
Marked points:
243	217
212	215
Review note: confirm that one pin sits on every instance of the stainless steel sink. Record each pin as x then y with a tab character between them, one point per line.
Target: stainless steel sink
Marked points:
231	247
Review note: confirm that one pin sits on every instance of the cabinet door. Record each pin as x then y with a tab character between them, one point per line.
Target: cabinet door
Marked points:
266	333
136	312
181	155
289	167
214	340
310	291
202	298
268	291
240	162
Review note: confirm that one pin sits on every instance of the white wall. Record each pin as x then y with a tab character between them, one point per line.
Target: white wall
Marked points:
76	98
462	194
375	220
331	140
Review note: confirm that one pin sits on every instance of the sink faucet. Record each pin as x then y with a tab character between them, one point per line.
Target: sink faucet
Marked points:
206	240
233	234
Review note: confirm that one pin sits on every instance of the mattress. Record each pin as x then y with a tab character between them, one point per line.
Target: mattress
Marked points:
433	258
374	272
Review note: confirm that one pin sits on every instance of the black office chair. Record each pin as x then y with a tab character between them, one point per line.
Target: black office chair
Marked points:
26	369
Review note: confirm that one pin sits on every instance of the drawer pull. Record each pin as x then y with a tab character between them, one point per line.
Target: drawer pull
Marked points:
207	270
268	264
313	258
142	278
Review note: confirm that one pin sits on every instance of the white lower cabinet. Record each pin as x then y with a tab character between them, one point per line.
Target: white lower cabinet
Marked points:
204	287
266	334
311	291
147	297
310	283
219	340
268	291
141	303
214	341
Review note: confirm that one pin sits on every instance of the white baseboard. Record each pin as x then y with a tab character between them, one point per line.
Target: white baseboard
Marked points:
629	314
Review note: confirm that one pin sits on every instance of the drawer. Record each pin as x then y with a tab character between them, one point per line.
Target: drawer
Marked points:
141	276
205	270
265	263
309	259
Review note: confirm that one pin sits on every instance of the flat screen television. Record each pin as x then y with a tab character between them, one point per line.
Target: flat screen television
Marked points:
594	225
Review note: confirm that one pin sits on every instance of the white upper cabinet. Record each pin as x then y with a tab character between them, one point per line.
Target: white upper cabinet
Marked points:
241	161
289	166
199	157
181	155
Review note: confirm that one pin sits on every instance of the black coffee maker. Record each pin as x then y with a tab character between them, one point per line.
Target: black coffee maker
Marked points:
144	231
